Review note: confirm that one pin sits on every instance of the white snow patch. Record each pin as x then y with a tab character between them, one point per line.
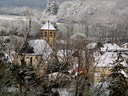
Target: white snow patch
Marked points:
107	59
91	45
110	47
124	73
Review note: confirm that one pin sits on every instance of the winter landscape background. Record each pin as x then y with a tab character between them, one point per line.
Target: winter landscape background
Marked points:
65	47
96	16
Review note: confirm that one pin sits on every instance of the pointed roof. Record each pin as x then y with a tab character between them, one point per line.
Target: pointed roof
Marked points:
48	26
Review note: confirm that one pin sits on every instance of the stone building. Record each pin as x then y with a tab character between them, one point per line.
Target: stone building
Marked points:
48	33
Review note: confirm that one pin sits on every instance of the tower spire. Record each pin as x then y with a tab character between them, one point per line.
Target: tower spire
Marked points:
49	33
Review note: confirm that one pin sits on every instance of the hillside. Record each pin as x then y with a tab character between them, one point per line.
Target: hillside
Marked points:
41	4
99	14
104	11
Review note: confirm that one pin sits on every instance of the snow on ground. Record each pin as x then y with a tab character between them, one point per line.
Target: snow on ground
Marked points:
9	17
64	91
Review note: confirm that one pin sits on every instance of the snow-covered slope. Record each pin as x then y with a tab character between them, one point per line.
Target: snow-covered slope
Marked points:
104	12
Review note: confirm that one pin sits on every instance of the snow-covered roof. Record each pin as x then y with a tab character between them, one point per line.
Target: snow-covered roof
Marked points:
91	45
110	47
41	47
78	36
107	59
125	45
64	53
48	26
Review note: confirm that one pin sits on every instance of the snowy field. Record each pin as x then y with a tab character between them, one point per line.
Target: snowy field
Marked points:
9	17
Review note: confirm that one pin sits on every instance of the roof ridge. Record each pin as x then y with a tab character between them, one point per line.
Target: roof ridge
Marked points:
48	26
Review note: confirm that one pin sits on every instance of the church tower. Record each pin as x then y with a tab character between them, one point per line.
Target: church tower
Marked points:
48	33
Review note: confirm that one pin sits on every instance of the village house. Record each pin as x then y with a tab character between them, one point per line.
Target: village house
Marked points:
104	62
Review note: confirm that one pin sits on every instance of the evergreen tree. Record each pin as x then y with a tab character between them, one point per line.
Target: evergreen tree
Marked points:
48	8
99	45
6	80
27	48
57	67
23	76
54	7
117	81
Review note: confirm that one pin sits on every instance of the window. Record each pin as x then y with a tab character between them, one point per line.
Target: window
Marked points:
31	60
27	60
50	34
45	34
36	58
27	57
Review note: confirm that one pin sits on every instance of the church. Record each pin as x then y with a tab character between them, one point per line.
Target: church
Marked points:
45	51
42	49
48	33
